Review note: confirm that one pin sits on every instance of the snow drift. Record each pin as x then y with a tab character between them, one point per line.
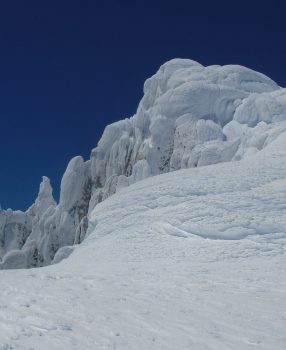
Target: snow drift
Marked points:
189	116
188	260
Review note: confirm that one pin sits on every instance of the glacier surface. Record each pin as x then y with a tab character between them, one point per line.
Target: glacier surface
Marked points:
189	260
171	236
189	116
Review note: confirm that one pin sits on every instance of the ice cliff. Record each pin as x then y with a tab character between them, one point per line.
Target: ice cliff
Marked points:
189	116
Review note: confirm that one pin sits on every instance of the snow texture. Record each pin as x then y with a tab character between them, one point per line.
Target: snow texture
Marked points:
189	116
189	260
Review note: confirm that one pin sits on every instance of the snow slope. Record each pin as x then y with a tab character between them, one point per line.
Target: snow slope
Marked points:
189	116
189	260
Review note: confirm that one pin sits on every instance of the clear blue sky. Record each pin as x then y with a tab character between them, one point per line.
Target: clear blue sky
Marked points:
69	68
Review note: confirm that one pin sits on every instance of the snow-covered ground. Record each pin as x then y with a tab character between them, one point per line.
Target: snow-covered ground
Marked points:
189	116
189	260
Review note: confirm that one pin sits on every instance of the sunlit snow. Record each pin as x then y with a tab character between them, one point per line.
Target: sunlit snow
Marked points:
181	216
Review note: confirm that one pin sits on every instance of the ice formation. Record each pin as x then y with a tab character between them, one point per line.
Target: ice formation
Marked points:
188	260
189	116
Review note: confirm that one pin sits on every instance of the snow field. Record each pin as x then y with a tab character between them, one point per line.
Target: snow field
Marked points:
192	259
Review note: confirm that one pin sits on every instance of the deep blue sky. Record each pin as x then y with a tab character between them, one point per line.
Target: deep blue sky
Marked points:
69	68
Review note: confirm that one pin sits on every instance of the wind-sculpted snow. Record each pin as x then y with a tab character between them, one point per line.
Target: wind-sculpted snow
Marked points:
245	199
50	226
15	228
189	260
189	116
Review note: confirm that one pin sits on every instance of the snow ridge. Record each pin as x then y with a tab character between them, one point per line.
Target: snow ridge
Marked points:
189	116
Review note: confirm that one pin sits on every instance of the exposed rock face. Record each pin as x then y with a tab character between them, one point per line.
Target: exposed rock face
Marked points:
189	116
